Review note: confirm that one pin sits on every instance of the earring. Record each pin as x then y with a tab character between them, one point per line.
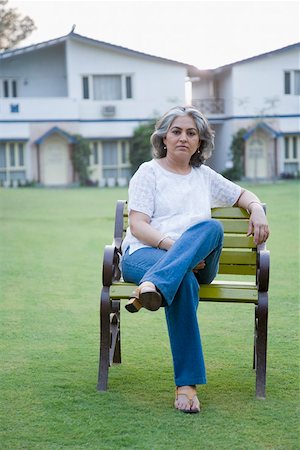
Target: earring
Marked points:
198	151
164	147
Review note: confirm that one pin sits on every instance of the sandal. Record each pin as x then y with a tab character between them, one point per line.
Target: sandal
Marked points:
145	296
191	399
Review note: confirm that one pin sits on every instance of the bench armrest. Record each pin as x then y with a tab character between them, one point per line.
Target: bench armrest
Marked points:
110	270
263	268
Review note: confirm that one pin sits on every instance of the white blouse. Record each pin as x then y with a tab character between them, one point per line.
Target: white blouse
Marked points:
176	202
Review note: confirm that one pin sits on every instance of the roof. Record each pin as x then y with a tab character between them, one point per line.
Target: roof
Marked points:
56	130
77	37
263	126
252	58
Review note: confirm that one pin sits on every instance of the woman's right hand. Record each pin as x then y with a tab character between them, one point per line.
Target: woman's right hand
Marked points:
199	266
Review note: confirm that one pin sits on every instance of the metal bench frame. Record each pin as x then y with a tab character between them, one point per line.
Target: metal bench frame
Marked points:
247	259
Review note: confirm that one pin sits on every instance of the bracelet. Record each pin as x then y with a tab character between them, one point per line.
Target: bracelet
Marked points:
161	240
254	201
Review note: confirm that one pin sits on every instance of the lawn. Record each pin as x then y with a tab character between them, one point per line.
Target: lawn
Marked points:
51	250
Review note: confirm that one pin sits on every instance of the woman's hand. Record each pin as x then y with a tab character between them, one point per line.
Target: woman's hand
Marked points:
199	266
258	224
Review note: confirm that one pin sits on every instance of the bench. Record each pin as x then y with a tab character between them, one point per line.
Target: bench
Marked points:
240	257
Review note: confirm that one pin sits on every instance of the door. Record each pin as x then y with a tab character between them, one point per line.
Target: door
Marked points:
256	160
55	162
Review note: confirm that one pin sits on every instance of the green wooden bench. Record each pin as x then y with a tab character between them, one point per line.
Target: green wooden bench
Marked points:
240	257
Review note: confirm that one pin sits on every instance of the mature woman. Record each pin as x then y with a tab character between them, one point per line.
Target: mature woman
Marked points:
172	244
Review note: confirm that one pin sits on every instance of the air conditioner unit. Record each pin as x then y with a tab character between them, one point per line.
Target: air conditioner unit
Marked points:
109	110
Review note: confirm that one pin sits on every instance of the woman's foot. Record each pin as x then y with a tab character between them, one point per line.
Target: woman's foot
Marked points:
145	296
186	399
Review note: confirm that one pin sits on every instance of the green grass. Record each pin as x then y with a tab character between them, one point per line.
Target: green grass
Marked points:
51	256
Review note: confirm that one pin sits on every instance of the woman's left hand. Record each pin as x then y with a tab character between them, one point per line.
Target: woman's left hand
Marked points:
258	225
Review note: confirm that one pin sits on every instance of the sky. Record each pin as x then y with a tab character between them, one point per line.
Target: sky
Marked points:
206	34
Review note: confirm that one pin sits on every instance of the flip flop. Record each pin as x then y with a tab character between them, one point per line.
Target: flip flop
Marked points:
145	296
191	398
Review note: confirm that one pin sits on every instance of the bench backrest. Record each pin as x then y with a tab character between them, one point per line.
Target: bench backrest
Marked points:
239	251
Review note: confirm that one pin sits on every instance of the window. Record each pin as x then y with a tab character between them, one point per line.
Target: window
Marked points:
110	153
12	162
124	153
85	87
9	88
107	87
109	161
292	82
297	82
286	148
291	161
287	82
12	157
2	155
21	154
128	87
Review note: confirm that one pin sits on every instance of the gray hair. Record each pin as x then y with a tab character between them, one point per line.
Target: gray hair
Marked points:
206	134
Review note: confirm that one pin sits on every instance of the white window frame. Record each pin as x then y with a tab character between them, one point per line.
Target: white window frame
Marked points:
10	82
17	167
123	146
292	82
124	76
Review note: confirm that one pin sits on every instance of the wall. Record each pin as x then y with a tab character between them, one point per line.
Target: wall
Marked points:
157	85
40	73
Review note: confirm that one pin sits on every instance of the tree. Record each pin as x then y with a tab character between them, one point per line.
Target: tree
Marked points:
80	158
140	150
13	27
237	149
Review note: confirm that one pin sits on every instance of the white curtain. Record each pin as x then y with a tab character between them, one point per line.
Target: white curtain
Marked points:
107	87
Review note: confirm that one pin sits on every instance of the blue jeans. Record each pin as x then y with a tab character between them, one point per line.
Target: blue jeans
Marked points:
172	273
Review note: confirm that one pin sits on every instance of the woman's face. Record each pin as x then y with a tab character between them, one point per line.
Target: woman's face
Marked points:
182	139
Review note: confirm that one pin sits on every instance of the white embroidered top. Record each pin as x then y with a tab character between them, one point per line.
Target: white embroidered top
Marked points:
176	202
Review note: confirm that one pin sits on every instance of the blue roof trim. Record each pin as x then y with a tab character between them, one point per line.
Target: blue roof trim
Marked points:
147	119
56	130
264	126
14	139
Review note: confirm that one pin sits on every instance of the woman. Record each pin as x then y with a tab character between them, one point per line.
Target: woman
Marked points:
172	244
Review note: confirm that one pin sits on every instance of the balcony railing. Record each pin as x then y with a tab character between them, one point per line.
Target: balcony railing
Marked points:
210	105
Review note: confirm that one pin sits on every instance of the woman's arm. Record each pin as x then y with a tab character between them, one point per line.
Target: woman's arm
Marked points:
140	228
258	224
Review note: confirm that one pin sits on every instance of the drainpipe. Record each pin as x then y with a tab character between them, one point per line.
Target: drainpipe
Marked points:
275	157
38	163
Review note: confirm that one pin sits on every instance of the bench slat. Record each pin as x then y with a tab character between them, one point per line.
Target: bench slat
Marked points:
238	241
218	213
217	291
235	225
233	269
240	256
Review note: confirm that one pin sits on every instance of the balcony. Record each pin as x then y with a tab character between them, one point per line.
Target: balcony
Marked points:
210	105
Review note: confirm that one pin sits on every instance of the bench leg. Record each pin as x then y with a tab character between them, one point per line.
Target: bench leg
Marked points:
261	344
115	344
254	339
105	339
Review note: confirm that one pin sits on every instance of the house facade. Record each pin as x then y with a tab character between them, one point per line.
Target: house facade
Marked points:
51	91
261	95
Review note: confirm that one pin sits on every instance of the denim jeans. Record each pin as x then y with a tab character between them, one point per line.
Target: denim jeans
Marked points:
172	273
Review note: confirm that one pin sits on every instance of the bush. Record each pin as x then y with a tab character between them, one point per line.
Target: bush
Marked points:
140	149
237	150
80	158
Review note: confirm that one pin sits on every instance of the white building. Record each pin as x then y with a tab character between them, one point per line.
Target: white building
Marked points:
262	95
76	85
